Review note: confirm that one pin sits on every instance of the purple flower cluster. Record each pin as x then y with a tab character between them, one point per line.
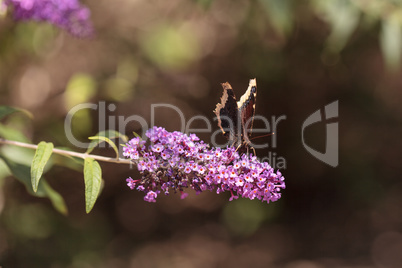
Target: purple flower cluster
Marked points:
177	161
66	14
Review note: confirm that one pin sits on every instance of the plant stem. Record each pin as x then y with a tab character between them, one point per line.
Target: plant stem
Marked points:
69	153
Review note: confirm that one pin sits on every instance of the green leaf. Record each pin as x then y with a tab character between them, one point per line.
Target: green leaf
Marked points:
17	154
22	173
12	134
42	155
4	172
111	143
68	161
93	181
76	159
6	110
56	199
106	136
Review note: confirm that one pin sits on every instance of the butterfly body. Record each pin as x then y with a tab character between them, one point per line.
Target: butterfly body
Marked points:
235	118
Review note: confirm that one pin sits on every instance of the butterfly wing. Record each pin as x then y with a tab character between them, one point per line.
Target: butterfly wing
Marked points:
227	113
246	106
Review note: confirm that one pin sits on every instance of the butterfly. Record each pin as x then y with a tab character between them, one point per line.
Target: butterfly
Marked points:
235	118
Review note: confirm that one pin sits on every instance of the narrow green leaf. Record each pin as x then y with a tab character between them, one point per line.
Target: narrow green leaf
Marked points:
93	181
106	136
42	155
4	172
68	161
56	199
18	154
12	134
22	173
6	110
79	161
111	143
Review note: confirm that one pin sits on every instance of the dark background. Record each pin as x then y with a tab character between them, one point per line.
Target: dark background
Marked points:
304	54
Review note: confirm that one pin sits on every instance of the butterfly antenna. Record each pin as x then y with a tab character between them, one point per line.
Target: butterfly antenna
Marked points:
262	136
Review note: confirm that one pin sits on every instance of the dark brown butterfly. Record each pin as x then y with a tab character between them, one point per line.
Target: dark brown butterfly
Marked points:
235	118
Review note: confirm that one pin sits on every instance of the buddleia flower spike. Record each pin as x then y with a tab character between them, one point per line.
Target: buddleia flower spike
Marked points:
174	161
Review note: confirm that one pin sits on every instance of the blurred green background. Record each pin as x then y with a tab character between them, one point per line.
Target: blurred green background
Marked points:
304	54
